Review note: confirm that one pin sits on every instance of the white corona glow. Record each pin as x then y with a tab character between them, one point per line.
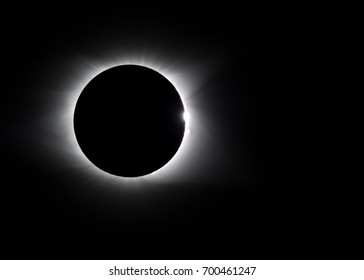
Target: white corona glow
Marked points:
185	77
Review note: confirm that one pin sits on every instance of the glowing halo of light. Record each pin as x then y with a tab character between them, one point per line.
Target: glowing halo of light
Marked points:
186	78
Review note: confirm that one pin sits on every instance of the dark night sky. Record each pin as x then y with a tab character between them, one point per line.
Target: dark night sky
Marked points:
266	199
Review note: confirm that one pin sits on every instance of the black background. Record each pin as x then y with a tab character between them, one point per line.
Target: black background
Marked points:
291	205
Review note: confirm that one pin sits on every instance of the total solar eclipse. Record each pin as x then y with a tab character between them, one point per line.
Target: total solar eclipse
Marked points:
128	121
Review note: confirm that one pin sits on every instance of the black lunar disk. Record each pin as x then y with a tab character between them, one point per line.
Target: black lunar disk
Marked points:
129	121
